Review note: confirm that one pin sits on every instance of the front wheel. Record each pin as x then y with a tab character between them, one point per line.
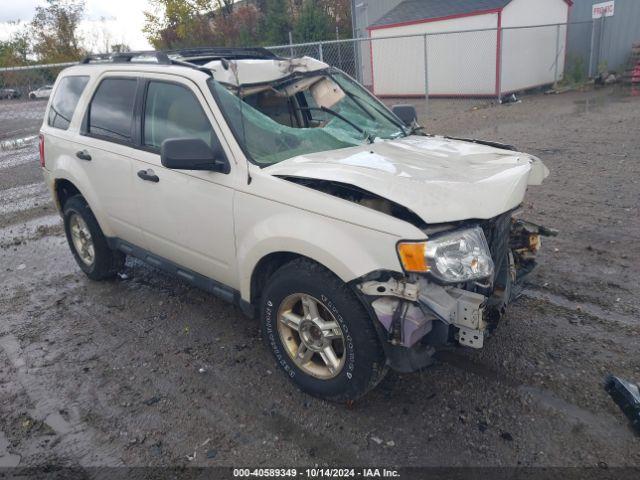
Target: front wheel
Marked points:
320	334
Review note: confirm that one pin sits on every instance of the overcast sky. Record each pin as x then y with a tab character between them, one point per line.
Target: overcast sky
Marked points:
106	21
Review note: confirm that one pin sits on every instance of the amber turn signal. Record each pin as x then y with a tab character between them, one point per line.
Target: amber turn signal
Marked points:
412	256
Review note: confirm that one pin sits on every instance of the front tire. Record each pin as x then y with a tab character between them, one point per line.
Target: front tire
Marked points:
320	333
87	242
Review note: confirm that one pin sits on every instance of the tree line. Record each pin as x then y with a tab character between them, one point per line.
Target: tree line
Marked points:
53	36
182	23
50	37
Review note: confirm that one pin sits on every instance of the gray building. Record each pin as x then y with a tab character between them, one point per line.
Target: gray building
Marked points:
363	14
604	44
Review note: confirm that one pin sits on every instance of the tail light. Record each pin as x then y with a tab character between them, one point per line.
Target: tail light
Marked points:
41	147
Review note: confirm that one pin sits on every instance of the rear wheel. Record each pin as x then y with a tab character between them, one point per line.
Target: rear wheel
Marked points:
320	334
87	242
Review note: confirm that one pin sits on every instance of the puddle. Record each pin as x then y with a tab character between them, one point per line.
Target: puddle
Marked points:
596	103
588	308
58	423
7	459
602	423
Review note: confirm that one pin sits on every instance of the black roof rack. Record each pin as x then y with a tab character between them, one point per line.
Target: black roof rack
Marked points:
125	57
186	57
200	55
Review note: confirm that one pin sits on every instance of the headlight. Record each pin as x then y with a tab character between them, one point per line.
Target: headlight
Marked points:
455	257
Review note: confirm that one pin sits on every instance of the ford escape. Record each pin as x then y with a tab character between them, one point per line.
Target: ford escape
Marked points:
361	242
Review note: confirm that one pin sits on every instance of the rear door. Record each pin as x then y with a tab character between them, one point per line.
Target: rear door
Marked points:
105	144
186	215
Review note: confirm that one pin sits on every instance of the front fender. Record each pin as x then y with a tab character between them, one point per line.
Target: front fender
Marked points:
348	250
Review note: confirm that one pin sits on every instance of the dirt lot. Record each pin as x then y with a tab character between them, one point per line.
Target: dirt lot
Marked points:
146	370
20	118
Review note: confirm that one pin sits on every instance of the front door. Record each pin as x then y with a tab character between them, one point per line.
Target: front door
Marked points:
186	215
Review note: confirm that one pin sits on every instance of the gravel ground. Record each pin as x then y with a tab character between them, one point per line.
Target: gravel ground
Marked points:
146	370
21	117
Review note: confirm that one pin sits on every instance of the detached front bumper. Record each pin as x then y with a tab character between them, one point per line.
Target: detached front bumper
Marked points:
416	315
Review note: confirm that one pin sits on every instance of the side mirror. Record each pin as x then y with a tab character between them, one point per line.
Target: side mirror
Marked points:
192	154
406	113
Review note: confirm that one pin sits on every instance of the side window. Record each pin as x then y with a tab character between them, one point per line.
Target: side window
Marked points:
111	110
172	111
65	101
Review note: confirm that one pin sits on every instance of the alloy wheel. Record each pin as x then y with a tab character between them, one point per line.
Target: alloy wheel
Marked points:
81	238
312	336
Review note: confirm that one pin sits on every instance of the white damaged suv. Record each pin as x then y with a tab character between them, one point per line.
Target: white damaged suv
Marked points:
283	185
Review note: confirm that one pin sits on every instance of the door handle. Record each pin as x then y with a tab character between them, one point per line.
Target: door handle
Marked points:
83	155
148	175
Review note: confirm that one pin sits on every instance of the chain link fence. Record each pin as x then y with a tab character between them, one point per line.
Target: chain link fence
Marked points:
24	82
464	69
440	73
23	98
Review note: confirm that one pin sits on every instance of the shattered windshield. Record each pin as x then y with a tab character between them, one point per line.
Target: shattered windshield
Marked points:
302	115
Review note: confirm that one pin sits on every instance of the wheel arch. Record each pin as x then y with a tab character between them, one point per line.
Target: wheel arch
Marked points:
266	267
64	189
64	186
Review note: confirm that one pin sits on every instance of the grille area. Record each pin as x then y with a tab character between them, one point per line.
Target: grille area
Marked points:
497	232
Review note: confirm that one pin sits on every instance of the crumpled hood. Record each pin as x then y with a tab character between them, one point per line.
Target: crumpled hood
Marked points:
439	179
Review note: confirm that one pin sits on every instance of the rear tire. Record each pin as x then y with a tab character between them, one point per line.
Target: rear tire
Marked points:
87	242
354	363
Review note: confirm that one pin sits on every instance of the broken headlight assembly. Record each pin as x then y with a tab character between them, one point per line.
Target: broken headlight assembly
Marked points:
454	257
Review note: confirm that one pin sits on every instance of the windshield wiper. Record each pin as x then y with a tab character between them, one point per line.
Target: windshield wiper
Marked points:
341	117
417	128
384	114
356	100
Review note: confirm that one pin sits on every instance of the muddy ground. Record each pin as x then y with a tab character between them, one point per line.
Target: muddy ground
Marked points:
146	370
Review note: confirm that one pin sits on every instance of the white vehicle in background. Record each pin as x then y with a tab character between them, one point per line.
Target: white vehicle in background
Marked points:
41	93
283	185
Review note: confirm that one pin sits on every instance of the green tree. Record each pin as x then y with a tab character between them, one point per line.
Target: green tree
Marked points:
54	31
240	28
225	7
339	12
14	52
277	24
179	23
313	23
120	48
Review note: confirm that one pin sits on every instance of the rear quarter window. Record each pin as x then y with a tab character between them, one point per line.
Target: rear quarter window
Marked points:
65	101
